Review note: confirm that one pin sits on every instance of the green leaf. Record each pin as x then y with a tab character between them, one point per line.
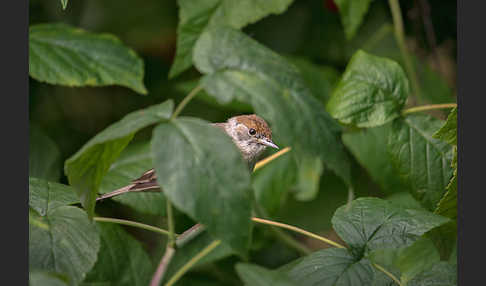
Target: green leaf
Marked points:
352	14
236	66
372	223
447	206
409	261
320	79
441	274
64	4
192	248
272	182
332	266
63	240
424	163
371	92
64	55
367	146
195	18
44	156
45	196
308	177
254	275
132	163
43	278
86	168
203	174
121	260
448	131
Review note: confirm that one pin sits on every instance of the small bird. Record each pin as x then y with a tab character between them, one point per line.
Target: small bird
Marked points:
250	133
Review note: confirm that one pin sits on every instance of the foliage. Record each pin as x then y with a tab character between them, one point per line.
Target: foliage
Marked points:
370	184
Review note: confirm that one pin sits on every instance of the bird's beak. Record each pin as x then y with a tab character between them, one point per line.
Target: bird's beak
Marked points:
268	143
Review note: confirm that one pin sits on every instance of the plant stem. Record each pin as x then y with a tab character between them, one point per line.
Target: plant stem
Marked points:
387	273
185	101
428	107
170	222
400	36
189	234
267	160
132	223
164	263
193	261
298	230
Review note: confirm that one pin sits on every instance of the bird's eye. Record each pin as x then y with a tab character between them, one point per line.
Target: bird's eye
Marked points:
252	131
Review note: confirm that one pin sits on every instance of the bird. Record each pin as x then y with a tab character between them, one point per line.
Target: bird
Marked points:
250	133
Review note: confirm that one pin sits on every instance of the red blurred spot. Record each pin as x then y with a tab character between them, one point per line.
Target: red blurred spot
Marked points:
331	6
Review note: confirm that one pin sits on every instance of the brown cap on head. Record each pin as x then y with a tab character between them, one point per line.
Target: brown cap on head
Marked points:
256	122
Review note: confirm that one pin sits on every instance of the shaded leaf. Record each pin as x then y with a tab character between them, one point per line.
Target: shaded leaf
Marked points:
45	196
448	131
121	260
352	14
332	266
192	169
194	18
86	168
42	278
238	67
308	177
372	223
64	55
254	275
132	163
371	92
367	146
441	274
424	163
44	156
64	241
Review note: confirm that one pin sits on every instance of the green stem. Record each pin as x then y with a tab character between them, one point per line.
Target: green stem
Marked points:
387	273
192	262
400	36
132	223
185	101
298	230
170	222
377	36
428	107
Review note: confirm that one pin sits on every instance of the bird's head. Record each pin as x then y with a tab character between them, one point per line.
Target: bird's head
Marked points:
251	134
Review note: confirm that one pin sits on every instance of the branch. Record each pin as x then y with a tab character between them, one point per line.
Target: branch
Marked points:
428	107
164	263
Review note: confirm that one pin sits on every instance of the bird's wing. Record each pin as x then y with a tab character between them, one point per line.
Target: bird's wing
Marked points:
148	181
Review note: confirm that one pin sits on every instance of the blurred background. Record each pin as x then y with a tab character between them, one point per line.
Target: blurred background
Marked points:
309	34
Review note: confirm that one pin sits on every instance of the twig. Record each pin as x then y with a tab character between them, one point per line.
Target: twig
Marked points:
132	223
189	234
185	101
428	107
164	263
267	160
389	274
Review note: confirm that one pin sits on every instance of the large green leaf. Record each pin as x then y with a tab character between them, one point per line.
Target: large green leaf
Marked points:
236	66
203	174
308	177
63	240
254	275
352	14
121	260
371	92
86	168
61	54
195	17
192	248
44	156
441	274
45	195
132	163
372	223
367	146
448	132
408	261
424	163
331	266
